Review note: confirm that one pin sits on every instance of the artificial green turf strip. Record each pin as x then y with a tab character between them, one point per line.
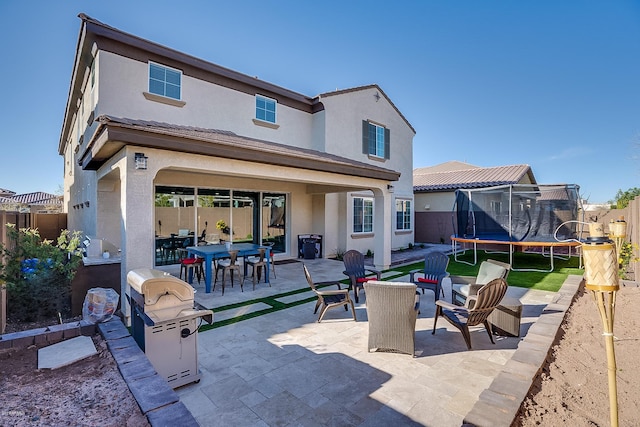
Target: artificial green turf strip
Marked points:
546	281
275	306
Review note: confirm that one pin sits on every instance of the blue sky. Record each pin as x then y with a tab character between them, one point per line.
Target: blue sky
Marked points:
551	84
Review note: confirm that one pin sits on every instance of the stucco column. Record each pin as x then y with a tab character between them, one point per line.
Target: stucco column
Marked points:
137	231
383	225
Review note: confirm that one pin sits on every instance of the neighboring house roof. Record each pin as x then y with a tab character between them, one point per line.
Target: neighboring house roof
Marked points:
114	132
454	175
554	192
453	165
6	193
37	198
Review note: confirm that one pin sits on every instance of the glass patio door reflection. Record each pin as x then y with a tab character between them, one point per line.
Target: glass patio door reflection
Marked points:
245	217
274	226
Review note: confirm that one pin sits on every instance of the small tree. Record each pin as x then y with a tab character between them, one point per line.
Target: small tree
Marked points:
38	273
623	198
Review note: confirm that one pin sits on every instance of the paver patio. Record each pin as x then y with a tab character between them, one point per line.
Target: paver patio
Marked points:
285	369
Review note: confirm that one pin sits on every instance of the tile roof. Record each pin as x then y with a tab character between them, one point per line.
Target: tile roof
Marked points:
454	175
37	198
6	193
229	144
6	200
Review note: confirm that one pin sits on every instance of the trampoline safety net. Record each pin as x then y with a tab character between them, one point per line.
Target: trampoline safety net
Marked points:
518	212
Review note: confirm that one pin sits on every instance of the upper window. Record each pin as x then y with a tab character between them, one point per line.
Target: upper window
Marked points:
265	109
376	140
362	215
165	81
403	214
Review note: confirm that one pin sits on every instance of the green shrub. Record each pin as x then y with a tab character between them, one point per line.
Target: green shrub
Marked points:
38	274
625	257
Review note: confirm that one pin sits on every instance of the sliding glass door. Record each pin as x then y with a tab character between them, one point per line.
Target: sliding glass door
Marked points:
184	215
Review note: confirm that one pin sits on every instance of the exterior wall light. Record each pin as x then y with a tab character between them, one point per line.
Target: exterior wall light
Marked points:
140	161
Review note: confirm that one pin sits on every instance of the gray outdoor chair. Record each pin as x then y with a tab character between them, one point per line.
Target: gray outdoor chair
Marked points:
463	287
431	275
354	268
392	310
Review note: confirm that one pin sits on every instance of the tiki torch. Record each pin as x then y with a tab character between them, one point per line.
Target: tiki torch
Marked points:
601	277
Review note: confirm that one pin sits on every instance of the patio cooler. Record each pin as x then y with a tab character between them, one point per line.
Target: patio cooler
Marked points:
165	323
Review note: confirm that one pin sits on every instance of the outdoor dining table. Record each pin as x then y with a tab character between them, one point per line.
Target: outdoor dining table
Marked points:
212	252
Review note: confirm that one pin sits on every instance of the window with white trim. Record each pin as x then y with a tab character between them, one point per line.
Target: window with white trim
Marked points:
165	81
266	109
362	215
376	140
403	214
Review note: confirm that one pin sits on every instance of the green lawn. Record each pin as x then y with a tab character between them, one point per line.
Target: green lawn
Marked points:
526	279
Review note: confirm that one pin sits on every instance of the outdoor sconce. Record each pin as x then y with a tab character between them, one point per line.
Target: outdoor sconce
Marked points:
140	161
601	278
390	188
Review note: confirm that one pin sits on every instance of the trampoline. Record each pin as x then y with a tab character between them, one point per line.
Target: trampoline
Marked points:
523	217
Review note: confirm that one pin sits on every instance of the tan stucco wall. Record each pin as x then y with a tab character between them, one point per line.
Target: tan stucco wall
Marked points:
207	105
436	202
344	114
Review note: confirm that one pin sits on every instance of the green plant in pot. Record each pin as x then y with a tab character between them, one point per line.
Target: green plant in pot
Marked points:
38	274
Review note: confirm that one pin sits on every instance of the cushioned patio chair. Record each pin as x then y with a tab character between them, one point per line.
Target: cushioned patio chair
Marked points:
486	300
434	270
354	268
328	298
392	310
463	287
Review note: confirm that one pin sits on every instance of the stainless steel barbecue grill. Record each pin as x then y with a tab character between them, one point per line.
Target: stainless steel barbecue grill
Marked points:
165	323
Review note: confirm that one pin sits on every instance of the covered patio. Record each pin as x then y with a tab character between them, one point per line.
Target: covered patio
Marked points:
284	368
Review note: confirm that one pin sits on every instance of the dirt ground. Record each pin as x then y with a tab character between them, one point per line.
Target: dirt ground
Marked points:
573	388
90	392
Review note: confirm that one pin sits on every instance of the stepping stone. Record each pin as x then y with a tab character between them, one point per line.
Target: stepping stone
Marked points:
66	352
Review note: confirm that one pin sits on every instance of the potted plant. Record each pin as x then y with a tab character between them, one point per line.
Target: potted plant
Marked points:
222	226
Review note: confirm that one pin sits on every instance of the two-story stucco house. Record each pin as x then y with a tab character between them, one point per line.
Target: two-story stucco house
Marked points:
157	142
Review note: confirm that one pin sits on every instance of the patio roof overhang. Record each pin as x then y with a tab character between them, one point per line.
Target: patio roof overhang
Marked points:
114	133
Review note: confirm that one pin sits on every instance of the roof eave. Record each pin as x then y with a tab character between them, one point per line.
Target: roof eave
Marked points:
111	137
